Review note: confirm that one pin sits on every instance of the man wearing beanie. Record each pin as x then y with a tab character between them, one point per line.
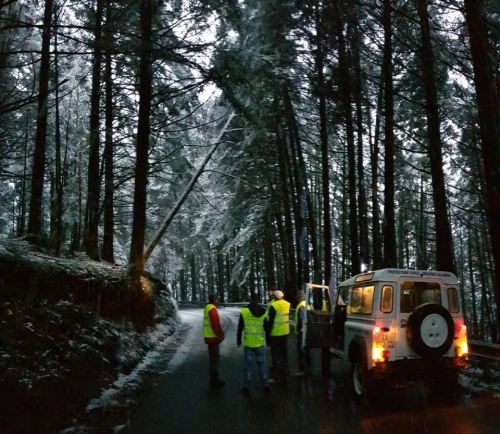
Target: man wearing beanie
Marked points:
279	329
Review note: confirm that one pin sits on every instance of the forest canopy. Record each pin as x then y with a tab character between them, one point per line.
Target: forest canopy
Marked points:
224	146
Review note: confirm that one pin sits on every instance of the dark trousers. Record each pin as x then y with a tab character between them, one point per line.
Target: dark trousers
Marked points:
279	356
213	361
304	354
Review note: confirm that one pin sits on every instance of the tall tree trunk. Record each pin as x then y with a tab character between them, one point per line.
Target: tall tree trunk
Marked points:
22	200
323	134
421	236
481	255
345	91
489	122
221	290
142	145
194	277
306	203
346	270
299	199
251	277
285	208
358	92
109	223
475	331
38	173
389	223
374	159
281	253
182	283
210	285
444	241
462	284
59	182
267	247
91	230
220	270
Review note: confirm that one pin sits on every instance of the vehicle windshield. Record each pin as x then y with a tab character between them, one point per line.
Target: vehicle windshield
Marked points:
414	294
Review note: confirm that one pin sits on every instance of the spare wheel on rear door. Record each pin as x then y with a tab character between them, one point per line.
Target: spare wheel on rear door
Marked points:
430	330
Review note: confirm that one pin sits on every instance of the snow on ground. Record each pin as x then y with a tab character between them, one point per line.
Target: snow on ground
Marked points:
482	376
168	353
164	335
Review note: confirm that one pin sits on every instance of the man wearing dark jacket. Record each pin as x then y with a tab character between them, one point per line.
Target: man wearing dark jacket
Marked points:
253	319
213	335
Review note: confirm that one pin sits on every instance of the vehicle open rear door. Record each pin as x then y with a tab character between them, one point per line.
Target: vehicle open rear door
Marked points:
317	325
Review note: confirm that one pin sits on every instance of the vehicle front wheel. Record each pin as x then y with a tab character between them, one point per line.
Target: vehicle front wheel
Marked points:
361	381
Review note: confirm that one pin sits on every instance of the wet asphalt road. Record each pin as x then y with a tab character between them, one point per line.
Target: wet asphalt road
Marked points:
179	400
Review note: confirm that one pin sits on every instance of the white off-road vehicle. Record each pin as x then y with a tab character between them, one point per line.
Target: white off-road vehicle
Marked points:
393	324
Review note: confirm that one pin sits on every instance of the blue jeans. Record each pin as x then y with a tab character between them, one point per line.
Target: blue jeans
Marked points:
247	364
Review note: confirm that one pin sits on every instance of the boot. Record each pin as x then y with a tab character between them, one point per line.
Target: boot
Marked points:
215	381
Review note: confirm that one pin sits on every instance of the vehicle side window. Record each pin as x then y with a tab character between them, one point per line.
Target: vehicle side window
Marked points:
367	305
342	295
319	299
387	297
361	300
453	303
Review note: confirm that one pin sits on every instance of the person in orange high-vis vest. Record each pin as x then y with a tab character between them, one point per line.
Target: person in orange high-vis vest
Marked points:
213	335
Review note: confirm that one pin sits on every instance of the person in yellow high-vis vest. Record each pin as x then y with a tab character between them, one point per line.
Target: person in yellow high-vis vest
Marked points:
253	320
279	329
213	335
303	353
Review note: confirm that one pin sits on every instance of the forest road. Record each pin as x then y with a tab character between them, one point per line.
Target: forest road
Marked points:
182	403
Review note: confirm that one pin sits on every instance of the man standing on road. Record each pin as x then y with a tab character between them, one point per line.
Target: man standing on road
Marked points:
214	335
279	329
251	324
304	354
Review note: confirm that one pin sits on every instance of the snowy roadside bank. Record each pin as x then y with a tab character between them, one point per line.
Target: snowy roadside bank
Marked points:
57	355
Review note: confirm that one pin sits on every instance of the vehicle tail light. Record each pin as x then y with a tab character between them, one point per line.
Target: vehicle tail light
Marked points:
462	350
465	348
376	354
380	355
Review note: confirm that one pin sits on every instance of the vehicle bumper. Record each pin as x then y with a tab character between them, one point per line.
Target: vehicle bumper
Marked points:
418	368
